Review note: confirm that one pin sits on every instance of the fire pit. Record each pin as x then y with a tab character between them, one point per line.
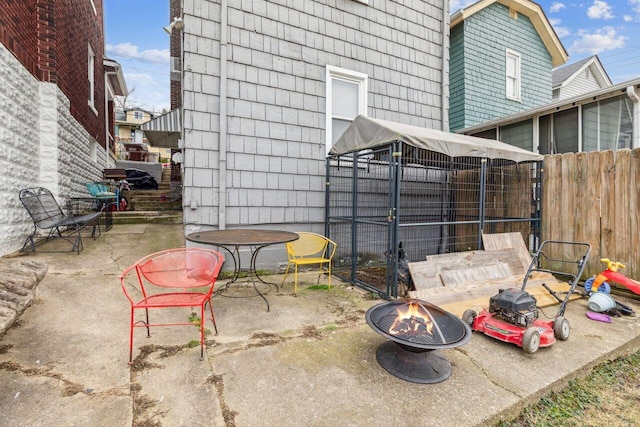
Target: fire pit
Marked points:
416	329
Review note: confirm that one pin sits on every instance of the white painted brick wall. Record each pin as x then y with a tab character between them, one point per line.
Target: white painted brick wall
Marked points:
41	144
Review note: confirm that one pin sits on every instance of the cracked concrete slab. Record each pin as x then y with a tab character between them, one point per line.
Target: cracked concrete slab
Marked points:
18	280
310	360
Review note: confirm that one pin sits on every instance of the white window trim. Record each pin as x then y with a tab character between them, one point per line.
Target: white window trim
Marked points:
91	68
350	76
516	55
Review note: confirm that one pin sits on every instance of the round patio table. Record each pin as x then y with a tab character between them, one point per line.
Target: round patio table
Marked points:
232	240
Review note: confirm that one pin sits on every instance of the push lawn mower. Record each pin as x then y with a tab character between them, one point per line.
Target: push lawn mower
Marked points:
513	314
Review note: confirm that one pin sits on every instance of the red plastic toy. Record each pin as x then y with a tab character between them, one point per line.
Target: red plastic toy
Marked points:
611	274
512	315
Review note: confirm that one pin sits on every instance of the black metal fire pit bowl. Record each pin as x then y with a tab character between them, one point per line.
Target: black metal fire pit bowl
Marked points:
417	329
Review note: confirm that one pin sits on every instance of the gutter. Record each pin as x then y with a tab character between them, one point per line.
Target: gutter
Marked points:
563	104
123	87
633	95
222	166
106	121
444	95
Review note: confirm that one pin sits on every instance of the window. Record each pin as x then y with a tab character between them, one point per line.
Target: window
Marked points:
513	75
607	124
346	98
565	131
90	76
138	115
487	134
518	134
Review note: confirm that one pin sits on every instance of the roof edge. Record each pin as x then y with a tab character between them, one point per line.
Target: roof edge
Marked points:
531	10
551	107
602	76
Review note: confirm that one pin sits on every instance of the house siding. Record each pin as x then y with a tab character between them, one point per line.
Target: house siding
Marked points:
578	86
457	78
277	57
487	35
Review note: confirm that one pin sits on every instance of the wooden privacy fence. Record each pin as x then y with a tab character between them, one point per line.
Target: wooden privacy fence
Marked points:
595	198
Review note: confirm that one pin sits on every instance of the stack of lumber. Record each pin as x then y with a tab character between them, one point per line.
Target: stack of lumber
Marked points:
458	281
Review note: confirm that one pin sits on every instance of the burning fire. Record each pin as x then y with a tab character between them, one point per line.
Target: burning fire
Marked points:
411	321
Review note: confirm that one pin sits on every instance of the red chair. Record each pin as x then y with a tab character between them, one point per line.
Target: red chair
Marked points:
183	277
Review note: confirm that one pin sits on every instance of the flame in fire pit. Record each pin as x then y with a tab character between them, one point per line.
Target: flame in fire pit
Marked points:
412	319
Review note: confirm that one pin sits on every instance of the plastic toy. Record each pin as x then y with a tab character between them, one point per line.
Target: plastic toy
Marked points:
612	274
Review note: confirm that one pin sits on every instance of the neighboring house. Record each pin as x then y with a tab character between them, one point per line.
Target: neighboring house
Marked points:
165	131
581	77
131	143
56	104
605	119
269	86
502	55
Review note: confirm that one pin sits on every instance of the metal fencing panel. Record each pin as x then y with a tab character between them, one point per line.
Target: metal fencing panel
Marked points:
399	204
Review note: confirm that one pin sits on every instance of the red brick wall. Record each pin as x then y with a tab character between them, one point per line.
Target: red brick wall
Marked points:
50	38
19	38
175	50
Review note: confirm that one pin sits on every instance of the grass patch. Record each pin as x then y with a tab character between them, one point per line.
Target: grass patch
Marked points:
609	395
229	274
314	287
192	344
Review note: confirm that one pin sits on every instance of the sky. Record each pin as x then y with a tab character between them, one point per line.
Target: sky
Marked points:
609	29
135	38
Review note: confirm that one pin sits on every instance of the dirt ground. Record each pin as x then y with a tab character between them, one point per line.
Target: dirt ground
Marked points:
608	396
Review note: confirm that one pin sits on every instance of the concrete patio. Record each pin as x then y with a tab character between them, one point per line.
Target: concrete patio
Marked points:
310	360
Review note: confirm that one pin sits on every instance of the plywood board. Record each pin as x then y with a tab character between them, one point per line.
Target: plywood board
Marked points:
462	267
492	242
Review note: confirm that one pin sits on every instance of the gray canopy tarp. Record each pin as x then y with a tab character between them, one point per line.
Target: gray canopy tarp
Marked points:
365	132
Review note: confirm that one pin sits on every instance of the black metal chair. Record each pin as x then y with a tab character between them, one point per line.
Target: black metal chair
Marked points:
47	214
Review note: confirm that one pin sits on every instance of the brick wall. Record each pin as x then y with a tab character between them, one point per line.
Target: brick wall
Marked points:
50	39
278	52
175	50
20	39
487	34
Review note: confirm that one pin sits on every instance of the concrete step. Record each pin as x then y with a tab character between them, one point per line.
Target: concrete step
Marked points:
147	217
155	205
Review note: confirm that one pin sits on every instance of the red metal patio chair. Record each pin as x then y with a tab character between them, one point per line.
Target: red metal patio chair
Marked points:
182	277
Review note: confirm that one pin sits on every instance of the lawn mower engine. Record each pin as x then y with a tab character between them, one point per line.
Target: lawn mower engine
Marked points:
514	306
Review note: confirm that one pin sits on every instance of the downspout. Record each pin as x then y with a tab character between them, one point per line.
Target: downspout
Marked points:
106	119
444	95
633	95
222	167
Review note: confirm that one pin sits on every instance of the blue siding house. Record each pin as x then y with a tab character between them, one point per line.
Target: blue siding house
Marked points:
501	60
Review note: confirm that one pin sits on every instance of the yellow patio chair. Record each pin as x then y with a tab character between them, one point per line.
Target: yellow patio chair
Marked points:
310	248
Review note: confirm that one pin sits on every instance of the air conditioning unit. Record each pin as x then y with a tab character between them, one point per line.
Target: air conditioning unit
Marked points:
176	69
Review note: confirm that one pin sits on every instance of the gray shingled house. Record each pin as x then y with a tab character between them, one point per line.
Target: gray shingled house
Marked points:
269	86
